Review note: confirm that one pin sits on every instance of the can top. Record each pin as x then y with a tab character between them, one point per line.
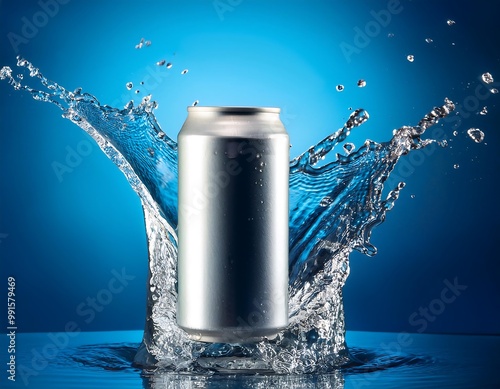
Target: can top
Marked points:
234	110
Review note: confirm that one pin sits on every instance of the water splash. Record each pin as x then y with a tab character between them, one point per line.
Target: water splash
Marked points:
333	210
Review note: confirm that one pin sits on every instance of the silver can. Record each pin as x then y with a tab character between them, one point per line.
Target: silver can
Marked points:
233	224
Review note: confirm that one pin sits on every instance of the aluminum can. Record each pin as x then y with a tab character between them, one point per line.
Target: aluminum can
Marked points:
233	224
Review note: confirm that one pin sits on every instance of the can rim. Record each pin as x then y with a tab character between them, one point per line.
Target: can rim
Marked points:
233	109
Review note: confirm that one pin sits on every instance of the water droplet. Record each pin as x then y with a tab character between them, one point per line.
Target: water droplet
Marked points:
494	91
325	201
410	58
161	135
412	196
151	152
20	76
168	65
361	83
195	103
429	40
476	134
348	148
487	78
455	133
184	71
390	35
147	43
484	111
129	85
129	105
456	166
340	87
450	22
262	164
257	155
142	82
161	62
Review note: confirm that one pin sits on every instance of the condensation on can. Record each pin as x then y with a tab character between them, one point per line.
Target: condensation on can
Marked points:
233	224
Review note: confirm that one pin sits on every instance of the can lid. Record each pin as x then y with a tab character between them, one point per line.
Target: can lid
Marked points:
234	110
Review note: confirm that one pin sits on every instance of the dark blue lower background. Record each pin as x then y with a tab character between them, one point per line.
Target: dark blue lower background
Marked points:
65	235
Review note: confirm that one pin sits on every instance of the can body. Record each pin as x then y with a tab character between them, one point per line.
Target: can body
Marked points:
233	224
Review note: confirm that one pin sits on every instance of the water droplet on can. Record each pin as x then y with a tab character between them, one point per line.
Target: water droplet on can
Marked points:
129	85
476	134
410	58
340	87
487	78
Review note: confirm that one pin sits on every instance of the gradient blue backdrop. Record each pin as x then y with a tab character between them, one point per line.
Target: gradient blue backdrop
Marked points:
62	239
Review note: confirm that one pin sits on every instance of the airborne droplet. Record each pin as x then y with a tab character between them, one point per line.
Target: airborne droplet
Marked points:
348	148
326	201
340	87
168	65
450	22
129	85
487	78
410	58
456	166
361	83
161	62
429	40
476	134
484	111
195	103
184	71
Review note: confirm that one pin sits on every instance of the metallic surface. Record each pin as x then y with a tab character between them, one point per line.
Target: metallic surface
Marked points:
233	224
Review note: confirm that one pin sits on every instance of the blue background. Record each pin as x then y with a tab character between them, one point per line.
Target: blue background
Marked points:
61	238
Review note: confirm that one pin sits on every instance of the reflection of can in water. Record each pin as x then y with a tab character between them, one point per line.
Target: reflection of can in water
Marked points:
233	224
